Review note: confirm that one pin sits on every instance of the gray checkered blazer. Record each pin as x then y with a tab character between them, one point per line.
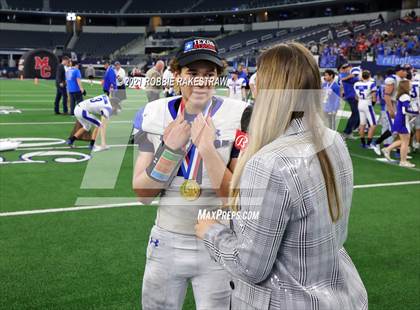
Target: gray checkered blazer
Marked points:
292	256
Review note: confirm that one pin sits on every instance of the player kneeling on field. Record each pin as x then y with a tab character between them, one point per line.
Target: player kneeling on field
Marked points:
86	112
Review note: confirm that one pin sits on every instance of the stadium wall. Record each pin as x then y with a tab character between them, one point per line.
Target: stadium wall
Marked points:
228	27
307	22
62	28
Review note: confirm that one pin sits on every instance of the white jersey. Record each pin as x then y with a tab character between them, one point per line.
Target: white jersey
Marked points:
175	213
235	88
395	81
99	105
253	79
364	90
167	78
415	95
120	76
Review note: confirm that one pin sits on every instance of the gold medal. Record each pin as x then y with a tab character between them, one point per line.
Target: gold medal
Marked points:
190	190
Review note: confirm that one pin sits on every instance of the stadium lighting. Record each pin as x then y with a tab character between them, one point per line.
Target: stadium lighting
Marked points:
79	18
71	17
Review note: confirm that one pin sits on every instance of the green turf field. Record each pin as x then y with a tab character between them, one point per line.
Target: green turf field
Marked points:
94	259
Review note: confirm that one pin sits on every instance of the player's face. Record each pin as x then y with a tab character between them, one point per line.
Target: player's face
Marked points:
327	77
196	82
402	74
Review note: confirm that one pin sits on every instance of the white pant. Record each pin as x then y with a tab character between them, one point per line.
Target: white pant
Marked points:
85	118
366	114
174	259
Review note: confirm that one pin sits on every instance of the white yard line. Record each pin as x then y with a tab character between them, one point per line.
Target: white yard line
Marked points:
52	148
379	160
130	204
387	184
42	211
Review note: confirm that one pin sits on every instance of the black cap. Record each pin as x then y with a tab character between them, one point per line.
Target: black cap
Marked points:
399	68
194	49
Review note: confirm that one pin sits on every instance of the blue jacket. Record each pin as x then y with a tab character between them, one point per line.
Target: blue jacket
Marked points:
110	78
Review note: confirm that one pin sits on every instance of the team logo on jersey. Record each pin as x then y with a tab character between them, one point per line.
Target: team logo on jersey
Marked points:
42	64
199	44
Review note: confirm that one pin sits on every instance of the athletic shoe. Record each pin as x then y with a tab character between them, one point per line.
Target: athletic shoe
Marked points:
416	145
70	143
100	148
364	146
376	148
348	136
407	164
386	153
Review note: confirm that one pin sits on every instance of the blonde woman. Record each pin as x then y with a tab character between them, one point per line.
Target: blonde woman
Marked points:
401	125
297	176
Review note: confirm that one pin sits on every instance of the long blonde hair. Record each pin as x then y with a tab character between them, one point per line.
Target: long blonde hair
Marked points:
282	70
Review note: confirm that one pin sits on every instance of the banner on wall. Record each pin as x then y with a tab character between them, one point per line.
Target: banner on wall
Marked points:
392	60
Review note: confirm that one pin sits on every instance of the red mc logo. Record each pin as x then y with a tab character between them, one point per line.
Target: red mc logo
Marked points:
42	64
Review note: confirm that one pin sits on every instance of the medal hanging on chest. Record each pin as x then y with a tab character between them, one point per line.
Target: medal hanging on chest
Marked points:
190	189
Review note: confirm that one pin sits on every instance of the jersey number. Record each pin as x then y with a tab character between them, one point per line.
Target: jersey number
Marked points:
360	90
96	99
414	91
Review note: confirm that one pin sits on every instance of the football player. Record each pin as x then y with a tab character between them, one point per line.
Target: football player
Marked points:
415	105
236	86
187	157
87	113
365	90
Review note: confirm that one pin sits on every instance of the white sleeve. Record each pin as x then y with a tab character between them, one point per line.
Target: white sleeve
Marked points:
373	87
122	73
253	79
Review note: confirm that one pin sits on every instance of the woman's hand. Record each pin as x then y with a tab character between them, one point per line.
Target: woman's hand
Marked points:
203	226
203	133
177	134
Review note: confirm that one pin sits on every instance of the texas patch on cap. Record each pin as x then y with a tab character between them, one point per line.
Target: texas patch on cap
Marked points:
195	49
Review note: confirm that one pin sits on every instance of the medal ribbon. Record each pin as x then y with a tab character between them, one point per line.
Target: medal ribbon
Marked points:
191	163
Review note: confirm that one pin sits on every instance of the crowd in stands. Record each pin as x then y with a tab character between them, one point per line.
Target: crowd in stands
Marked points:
400	41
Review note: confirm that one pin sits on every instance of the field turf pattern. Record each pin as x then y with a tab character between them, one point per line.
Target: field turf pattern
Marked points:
94	259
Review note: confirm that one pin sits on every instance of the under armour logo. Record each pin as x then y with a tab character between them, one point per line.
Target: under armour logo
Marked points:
154	241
